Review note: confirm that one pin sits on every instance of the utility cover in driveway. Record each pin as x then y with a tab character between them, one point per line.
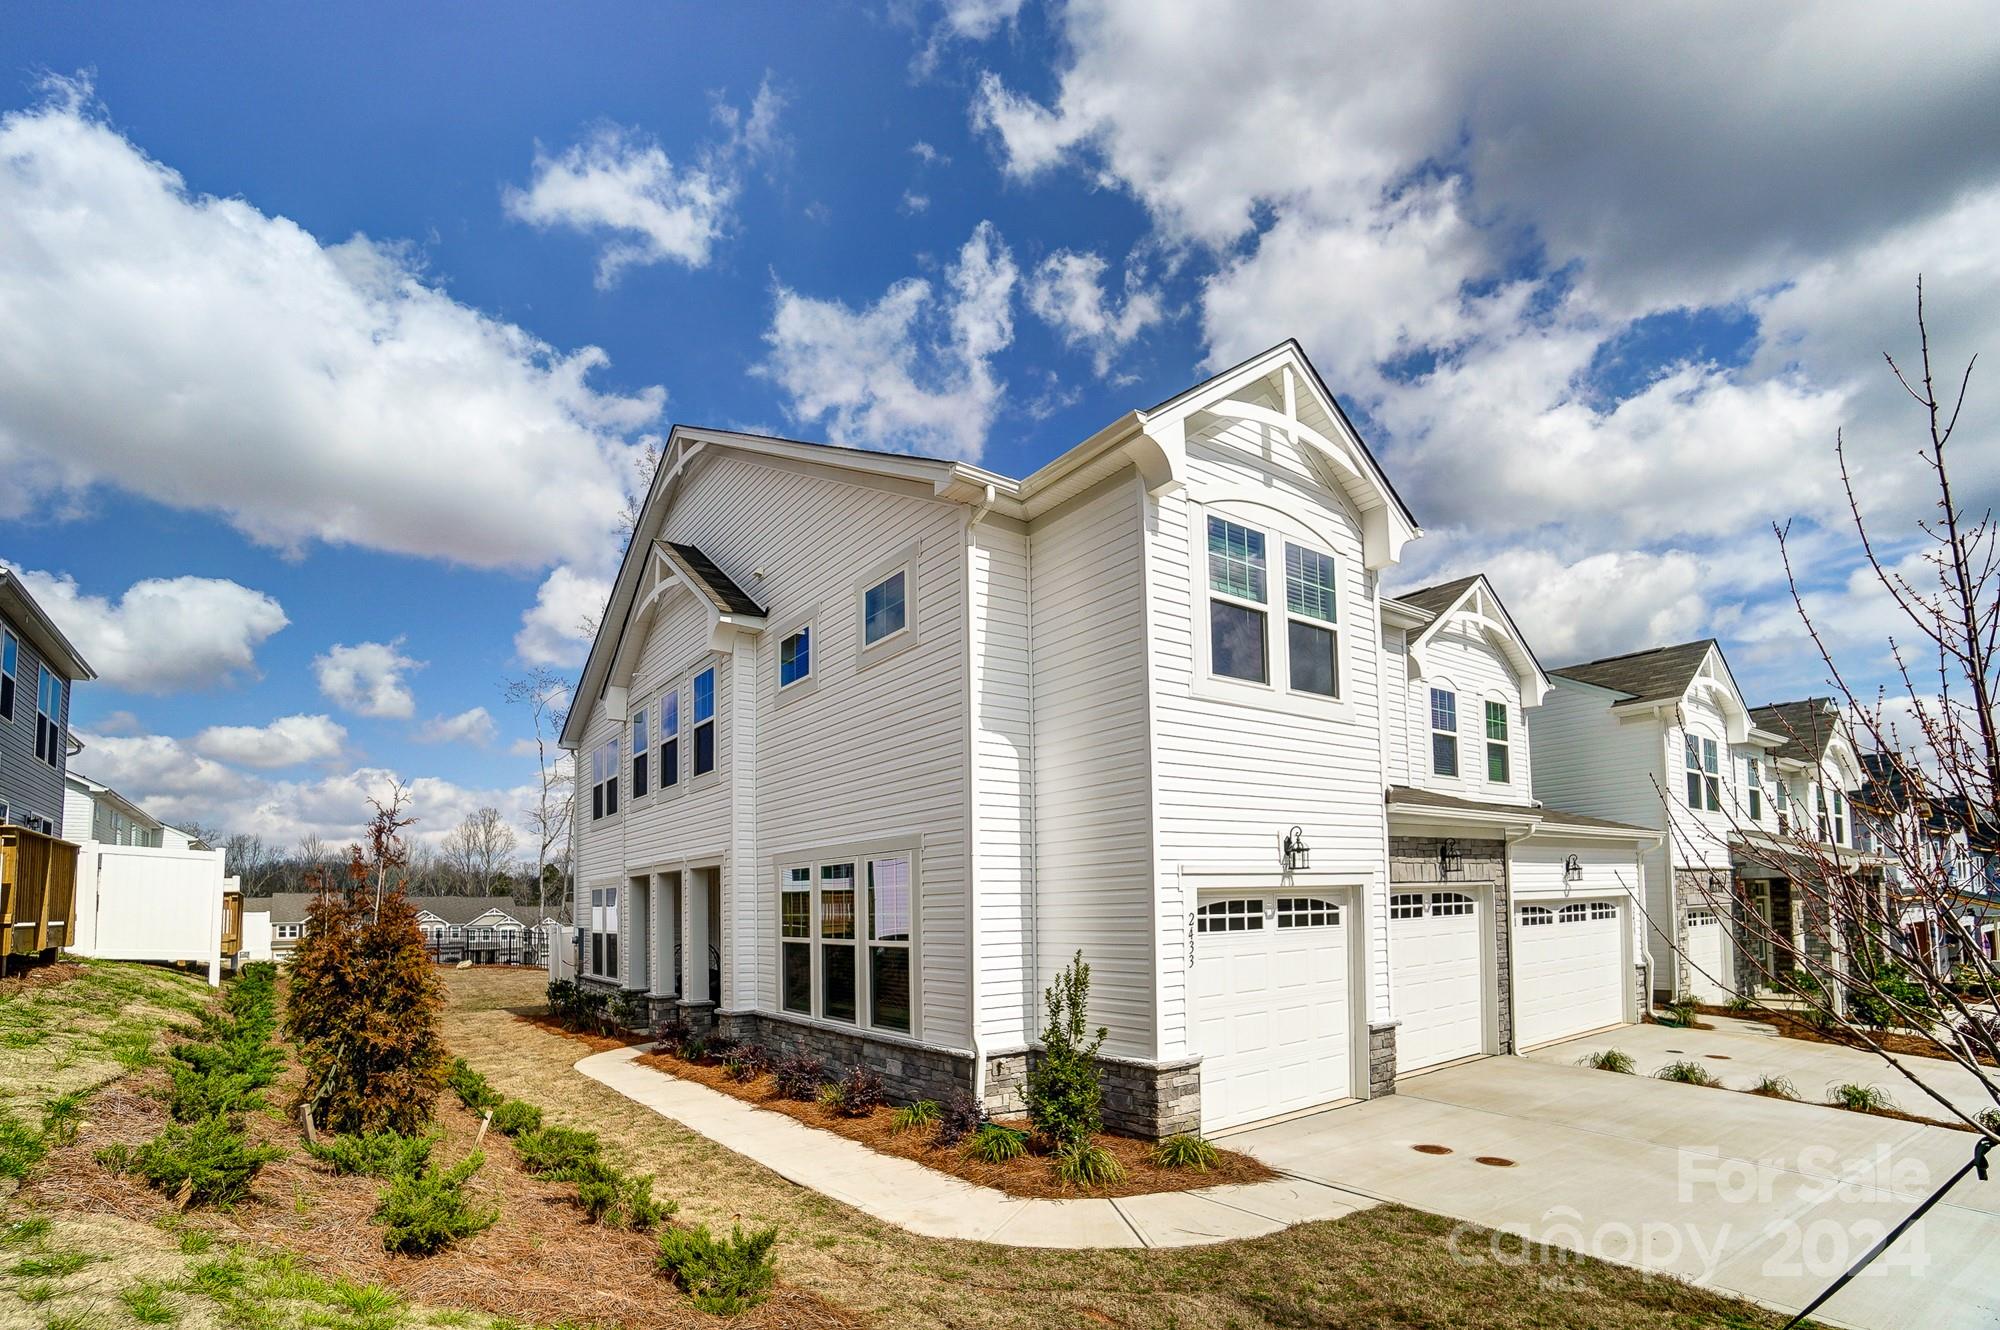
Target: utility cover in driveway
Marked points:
1271	1010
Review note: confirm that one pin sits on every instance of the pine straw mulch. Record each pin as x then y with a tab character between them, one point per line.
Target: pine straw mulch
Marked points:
596	1043
540	1263
53	975
1793	1026
1032	1174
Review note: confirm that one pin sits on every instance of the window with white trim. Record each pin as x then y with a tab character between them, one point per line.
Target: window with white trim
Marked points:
1704	783
642	753
837	997
1602	910
846	932
1307	912
795	911
1573	914
1825	823
604	780
1448	903
1238	592
1238	915
10	662
1406	905
1839	818
1499	766
885	609
287	932
795	657
1312	645
48	717
1711	775
1533	916
890	913
1781	800
603	932
1753	785
704	722
1444	732
670	738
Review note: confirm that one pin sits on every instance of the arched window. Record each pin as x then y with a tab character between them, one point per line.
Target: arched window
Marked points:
1573	914
1307	912
1242	914
1534	915
1450	903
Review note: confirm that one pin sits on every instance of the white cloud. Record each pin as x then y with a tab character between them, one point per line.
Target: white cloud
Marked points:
911	372
914	202
979	19
473	727
1601	604
161	635
928	155
149	766
556	630
1034	139
1067	292
285	742
367	678
301	390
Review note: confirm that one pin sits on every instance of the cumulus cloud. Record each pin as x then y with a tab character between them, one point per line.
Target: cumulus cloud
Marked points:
913	371
1067	293
619	186
303	391
556	630
473	727
285	742
162	634
367	678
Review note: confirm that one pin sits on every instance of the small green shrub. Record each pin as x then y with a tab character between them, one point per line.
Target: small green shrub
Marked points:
472	1089
642	1211
1775	1087
1087	1164
995	1144
426	1211
1687	1072
915	1117
1065	1100
1186	1150
1739	1006
1860	1098
195	1094
1802	982
114	1158
1989	1121
515	1116
375	1154
722	1276
557	1152
1608	1059
1892	992
212	1161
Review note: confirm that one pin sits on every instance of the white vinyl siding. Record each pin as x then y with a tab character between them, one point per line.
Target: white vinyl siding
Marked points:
1003	737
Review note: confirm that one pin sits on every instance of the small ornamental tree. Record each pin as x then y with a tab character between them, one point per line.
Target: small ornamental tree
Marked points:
1065	1101
365	998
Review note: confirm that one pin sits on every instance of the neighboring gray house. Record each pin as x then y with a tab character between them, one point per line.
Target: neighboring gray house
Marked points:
37	667
482	929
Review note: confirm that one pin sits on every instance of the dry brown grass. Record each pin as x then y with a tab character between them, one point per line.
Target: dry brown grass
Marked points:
1029	1175
1382	1267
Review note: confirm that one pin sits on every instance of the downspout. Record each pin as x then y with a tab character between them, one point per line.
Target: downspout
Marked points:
974	1014
1513	993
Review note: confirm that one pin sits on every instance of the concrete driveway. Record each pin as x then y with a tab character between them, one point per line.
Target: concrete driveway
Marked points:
1762	1198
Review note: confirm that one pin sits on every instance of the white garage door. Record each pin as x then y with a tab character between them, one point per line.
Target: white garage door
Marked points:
1569	969
1271	1010
1707	979
1435	944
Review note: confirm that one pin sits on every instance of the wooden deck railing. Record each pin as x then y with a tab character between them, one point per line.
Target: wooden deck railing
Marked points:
232	924
37	891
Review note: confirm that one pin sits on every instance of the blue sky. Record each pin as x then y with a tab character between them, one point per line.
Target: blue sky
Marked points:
1599	288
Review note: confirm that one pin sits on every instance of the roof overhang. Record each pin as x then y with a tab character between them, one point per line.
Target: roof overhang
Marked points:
1479	611
24	613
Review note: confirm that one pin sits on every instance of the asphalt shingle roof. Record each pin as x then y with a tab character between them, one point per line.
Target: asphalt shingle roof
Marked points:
728	597
1807	725
289	907
1408	796
1437	599
1644	675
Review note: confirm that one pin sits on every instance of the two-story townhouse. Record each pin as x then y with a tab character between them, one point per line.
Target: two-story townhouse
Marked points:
874	744
93	811
37	667
1511	923
1940	863
481	929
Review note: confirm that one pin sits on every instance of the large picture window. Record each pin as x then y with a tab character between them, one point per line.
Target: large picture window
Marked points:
670	739
1444	732
604	780
642	753
1238	591
704	722
846	930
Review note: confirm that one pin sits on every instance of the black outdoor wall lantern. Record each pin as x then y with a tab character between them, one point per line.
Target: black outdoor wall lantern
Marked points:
1297	854
1451	863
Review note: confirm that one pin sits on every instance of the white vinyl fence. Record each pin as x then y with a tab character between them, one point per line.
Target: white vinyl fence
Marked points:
138	903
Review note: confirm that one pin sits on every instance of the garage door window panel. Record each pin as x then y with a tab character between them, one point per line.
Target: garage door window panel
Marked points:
1307	912
1240	915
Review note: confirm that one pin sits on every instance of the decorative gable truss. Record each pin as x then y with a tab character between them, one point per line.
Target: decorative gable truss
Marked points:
672	572
1479	611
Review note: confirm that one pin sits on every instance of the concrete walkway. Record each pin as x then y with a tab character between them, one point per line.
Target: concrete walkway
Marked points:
937	1205
1741	1051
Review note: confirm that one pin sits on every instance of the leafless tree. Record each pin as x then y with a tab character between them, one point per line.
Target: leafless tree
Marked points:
479	850
250	861
1934	797
545	695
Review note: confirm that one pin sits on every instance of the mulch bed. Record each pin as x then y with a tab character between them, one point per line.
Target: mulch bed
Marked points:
1793	1026
55	974
597	1043
541	1263
1030	1175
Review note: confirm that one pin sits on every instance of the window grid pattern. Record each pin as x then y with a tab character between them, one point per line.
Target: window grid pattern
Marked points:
1444	732
1534	916
1230	916
1498	767
704	722
884	608
1307	912
795	657
642	750
1407	905
1602	910
1447	903
1309	583
670	738
1573	914
1236	560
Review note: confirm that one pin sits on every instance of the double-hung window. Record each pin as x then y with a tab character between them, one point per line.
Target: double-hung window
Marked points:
10	663
1825	823
48	717
885	608
795	910
795	657
1444	732
846	929
642	753
1499	768
889	911
1238	592
1839	818
1691	745
1712	775
604	780
604	932
1781	800
670	738
1753	782
1704	780
704	722
1311	641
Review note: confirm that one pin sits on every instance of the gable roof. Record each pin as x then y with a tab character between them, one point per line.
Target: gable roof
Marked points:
716	584
1437	599
1808	726
21	610
1488	615
289	907
1644	676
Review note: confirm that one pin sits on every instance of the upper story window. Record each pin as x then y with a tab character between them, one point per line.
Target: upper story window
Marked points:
1444	732
795	657
1839	818
10	661
1311	645
1238	591
1781	802
48	717
1753	785
1704	779
604	780
1825	823
670	738
642	751
704	722
1499	768
885	608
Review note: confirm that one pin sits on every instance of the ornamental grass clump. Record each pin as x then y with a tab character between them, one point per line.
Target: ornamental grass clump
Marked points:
1687	1072
1775	1087
914	1117
1608	1059
722	1276
1087	1164
1861	1098
995	1144
1065	1101
1186	1150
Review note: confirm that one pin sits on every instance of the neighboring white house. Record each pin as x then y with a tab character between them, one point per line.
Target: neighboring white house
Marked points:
873	744
481	929
93	811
